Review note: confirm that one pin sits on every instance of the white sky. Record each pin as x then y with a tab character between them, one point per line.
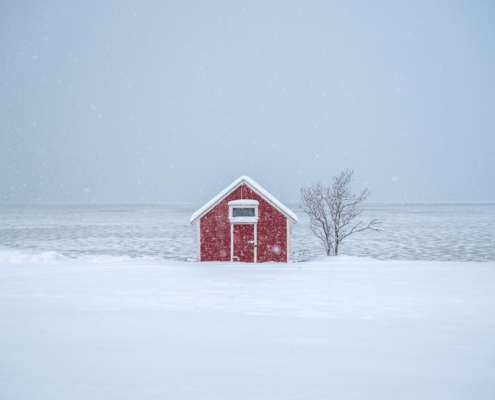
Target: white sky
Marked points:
140	101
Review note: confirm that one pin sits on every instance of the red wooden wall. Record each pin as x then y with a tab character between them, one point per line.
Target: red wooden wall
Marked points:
272	230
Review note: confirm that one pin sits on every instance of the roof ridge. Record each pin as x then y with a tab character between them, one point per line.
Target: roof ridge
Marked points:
263	192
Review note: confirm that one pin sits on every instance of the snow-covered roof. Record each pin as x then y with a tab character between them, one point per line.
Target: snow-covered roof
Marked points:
244	202
253	185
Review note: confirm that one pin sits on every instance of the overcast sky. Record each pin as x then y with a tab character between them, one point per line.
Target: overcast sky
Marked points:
120	101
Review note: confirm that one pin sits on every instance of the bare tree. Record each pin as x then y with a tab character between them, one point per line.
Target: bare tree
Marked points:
332	210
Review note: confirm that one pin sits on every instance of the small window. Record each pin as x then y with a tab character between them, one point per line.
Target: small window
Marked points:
243	212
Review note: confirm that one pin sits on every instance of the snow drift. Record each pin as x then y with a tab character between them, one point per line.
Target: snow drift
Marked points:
52	257
343	328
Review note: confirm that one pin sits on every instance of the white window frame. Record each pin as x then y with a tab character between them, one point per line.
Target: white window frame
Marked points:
243	204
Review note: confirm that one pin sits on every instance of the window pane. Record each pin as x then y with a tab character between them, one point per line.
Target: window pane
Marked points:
243	212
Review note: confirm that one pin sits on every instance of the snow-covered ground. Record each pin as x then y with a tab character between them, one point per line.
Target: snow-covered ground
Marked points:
330	328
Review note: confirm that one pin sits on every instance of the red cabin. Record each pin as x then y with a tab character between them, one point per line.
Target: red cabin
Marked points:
243	223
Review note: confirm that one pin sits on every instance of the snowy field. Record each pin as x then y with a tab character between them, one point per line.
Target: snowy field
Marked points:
331	328
99	302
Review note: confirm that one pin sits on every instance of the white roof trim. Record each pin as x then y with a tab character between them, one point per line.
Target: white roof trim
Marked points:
244	202
253	185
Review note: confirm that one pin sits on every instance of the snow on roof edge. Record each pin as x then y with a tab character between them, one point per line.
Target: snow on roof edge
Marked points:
255	186
275	201
215	199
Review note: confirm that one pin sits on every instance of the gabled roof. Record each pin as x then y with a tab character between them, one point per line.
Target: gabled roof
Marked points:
255	187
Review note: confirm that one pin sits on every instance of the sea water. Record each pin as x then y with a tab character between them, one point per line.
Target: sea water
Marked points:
455	232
